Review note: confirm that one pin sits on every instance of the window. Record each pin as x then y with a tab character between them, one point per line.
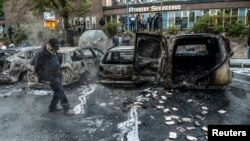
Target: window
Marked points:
30	54
76	56
88	53
21	55
98	53
120	57
191	50
149	48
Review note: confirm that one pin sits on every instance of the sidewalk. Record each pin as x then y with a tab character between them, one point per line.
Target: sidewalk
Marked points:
240	63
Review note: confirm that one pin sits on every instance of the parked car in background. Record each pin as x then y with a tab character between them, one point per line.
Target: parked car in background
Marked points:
15	66
76	61
117	65
186	61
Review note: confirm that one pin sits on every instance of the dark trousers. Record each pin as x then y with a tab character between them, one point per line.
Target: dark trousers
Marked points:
59	94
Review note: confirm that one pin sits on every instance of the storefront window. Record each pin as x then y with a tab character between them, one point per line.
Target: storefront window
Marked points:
171	21
213	17
191	18
248	16
234	16
242	15
178	19
227	17
198	14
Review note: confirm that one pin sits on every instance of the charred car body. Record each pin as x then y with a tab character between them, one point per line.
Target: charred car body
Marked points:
16	66
75	62
117	65
187	61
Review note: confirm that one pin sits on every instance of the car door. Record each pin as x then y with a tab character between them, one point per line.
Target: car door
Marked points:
78	64
150	55
98	54
89	57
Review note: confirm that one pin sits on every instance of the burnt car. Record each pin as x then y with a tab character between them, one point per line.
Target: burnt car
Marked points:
15	66
186	61
5	54
117	65
75	62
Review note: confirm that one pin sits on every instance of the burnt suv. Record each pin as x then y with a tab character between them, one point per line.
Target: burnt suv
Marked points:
186	61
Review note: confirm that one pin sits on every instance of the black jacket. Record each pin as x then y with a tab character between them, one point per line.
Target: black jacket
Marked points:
47	65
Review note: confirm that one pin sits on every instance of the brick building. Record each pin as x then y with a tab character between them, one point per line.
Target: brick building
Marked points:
180	13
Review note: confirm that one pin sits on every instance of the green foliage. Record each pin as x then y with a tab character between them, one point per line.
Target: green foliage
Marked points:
19	36
111	28
131	34
61	7
219	29
236	29
202	24
172	30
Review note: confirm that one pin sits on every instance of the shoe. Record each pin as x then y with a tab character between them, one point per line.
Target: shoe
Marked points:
54	110
69	112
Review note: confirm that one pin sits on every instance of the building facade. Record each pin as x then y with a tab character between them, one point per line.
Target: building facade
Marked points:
179	13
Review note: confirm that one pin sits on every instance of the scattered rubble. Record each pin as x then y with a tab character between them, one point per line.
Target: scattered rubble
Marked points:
181	129
172	135
222	111
171	122
191	138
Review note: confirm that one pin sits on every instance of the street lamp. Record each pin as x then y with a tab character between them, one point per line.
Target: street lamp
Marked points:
161	20
127	15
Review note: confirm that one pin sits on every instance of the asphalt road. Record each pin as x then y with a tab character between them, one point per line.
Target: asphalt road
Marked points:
103	113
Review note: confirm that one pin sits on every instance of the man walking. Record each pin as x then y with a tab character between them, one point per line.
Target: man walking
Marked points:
47	67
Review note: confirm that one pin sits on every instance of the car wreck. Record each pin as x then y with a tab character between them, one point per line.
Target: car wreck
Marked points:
15	66
116	65
186	61
75	62
5	54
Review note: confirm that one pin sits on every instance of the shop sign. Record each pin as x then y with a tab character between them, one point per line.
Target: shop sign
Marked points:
154	8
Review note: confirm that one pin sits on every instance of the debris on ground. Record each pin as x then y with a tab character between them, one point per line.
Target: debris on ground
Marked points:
191	138
181	129
171	122
172	135
222	111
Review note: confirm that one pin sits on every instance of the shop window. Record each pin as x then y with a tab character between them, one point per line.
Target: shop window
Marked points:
248	16
234	16
242	15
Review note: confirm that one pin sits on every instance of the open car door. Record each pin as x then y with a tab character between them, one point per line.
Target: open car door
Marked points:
149	57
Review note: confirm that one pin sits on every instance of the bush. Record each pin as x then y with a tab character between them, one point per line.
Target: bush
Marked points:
202	24
172	30
219	29
111	28
237	29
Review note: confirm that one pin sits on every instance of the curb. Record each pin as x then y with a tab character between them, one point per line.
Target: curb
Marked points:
240	63
244	75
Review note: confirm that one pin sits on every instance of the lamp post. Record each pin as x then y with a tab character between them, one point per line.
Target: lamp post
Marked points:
161	20
127	15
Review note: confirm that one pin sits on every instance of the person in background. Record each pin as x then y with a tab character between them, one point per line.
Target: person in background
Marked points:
150	22
102	21
47	64
125	39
